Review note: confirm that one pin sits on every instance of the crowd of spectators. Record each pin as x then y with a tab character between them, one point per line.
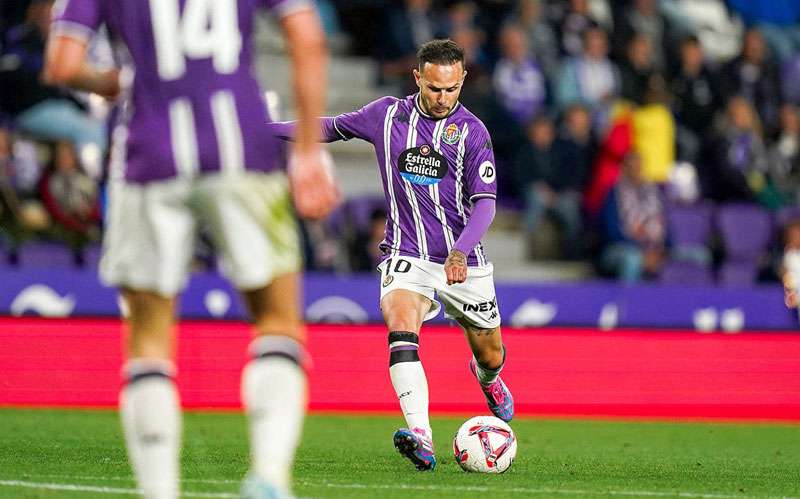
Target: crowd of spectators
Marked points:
50	143
595	106
604	114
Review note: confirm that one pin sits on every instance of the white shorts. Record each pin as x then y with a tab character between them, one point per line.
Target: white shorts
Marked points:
151	230
472	300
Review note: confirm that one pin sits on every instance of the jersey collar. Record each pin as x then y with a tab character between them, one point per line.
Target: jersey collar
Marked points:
423	113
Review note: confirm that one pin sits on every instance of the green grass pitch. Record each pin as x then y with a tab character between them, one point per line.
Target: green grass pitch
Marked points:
79	454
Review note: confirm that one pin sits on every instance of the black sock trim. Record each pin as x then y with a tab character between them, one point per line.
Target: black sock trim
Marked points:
403	356
407	336
145	375
282	355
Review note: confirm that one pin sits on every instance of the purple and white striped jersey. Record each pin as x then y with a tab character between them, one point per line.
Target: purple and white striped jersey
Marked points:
432	171
194	106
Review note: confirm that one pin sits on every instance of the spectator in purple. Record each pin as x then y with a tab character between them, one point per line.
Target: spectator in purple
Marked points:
633	226
754	76
590	78
738	164
695	88
518	79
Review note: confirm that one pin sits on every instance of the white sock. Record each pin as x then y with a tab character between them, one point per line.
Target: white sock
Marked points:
408	379
487	376
274	390
151	422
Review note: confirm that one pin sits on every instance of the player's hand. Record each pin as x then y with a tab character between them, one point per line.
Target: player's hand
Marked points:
109	85
790	297
455	267
312	182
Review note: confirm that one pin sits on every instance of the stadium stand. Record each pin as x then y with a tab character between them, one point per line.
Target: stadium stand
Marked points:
685	85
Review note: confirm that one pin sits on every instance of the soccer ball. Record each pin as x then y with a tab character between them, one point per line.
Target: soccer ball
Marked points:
485	444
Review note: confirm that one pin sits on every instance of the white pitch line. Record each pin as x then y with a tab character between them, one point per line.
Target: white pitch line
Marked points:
540	491
215	481
104	490
363	486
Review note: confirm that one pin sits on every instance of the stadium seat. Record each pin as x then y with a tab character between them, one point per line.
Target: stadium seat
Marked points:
689	225
686	273
746	230
689	228
46	256
736	273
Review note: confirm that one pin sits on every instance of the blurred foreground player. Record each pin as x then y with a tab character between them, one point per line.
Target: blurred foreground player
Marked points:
439	179
191	148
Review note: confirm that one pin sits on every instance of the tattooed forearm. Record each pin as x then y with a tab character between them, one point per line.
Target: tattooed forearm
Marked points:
456	257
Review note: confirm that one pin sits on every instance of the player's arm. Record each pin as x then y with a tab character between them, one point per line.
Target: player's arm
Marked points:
66	64
455	267
285	130
362	123
310	167
482	190
65	55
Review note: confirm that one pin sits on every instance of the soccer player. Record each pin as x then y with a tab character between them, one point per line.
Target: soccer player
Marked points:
190	148
439	179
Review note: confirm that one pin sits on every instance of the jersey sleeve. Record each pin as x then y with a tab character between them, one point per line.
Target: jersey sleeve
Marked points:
479	166
283	8
77	19
365	123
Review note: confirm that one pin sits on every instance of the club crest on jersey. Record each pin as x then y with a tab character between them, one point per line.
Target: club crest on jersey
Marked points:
451	134
422	165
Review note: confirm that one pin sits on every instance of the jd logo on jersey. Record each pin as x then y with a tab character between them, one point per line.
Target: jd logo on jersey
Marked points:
451	134
422	165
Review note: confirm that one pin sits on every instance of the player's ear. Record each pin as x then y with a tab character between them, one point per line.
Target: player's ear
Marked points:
416	76
464	76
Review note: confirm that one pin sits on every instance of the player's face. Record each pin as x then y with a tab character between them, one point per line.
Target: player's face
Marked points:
439	87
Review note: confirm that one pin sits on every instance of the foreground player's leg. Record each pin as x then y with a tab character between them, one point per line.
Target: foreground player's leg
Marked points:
489	355
274	386
403	312
149	405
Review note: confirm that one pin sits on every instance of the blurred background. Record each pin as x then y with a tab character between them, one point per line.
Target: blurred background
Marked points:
648	154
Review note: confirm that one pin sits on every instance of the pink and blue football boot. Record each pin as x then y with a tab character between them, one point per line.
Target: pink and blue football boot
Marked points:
497	394
417	446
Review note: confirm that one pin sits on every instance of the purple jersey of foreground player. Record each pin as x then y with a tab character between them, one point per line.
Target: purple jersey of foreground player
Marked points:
194	106
432	170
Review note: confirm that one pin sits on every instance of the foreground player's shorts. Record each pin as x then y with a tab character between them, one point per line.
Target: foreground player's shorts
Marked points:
473	300
151	230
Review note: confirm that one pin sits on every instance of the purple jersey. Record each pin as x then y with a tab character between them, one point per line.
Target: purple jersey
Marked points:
194	106
432	171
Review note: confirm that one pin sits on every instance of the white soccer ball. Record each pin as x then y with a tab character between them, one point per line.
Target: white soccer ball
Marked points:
485	444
